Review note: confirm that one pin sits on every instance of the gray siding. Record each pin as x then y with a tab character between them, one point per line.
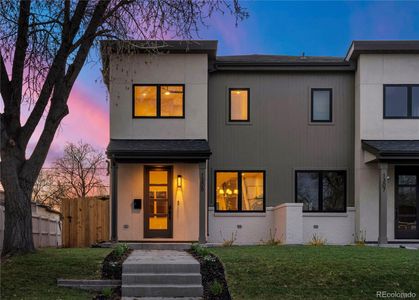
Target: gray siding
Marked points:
280	138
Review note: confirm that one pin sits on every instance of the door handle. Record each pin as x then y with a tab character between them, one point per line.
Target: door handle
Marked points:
170	212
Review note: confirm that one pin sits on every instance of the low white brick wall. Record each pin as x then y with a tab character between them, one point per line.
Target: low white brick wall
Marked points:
250	228
286	221
336	228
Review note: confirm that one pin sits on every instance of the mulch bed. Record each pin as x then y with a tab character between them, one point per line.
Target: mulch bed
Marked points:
112	265
212	270
116	295
112	269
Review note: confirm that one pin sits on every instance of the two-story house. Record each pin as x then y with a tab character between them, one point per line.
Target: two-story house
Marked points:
209	148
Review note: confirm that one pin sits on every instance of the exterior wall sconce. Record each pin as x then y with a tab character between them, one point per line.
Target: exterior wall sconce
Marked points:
179	181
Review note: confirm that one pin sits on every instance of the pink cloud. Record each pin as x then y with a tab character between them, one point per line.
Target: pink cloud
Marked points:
87	120
233	37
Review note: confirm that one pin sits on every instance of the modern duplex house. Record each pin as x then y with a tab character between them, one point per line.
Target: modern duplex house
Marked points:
208	148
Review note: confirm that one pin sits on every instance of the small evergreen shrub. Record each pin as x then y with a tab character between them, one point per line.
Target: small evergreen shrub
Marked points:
216	288
200	250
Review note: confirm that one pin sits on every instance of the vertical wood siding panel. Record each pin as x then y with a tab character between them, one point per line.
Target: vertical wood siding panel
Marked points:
280	138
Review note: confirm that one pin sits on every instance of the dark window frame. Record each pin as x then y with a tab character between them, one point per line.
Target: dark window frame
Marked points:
158	101
320	190
409	101
248	105
330	119
239	187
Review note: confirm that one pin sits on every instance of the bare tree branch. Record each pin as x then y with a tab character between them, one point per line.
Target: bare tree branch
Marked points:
5	87
78	170
46	44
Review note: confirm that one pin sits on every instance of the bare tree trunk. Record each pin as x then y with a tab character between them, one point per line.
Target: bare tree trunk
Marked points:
18	214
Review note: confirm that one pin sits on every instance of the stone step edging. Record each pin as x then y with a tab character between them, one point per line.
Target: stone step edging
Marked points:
89	284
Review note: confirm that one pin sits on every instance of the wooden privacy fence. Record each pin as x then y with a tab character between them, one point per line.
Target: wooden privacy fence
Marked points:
85	221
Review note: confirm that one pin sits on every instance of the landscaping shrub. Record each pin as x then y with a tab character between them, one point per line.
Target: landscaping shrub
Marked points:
229	242
216	288
360	238
272	241
317	240
200	250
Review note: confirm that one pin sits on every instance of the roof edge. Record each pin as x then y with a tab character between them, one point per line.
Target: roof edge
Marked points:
381	47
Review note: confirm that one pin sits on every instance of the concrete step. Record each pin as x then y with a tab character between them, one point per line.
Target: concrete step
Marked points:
128	268
161	278
160	246
162	290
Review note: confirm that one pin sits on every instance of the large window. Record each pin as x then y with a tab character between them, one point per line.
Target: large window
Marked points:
321	191
239	104
321	105
158	101
240	191
401	101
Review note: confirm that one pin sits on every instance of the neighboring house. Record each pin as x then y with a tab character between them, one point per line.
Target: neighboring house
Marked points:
46	224
206	148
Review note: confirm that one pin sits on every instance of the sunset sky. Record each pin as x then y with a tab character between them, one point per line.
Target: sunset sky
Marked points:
316	28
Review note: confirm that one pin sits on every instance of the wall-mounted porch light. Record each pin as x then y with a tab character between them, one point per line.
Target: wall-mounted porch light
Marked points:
179	181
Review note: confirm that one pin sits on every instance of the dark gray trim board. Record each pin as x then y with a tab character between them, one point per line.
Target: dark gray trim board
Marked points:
382	204
154	150
114	200
202	206
381	47
393	150
258	62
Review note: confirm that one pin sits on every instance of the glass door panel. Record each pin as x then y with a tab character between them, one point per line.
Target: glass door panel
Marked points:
406	223
158	202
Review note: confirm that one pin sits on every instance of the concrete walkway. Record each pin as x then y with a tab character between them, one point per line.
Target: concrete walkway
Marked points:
162	274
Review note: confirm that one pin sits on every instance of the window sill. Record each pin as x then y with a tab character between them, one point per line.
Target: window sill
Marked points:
239	123
239	214
325	214
321	123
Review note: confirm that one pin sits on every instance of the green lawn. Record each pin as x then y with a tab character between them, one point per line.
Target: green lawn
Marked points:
33	276
326	272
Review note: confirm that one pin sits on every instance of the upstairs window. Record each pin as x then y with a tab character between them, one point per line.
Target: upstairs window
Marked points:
321	105
158	101
239	104
401	101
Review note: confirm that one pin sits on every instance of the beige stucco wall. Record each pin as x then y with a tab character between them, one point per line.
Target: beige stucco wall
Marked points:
375	70
188	69
185	207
